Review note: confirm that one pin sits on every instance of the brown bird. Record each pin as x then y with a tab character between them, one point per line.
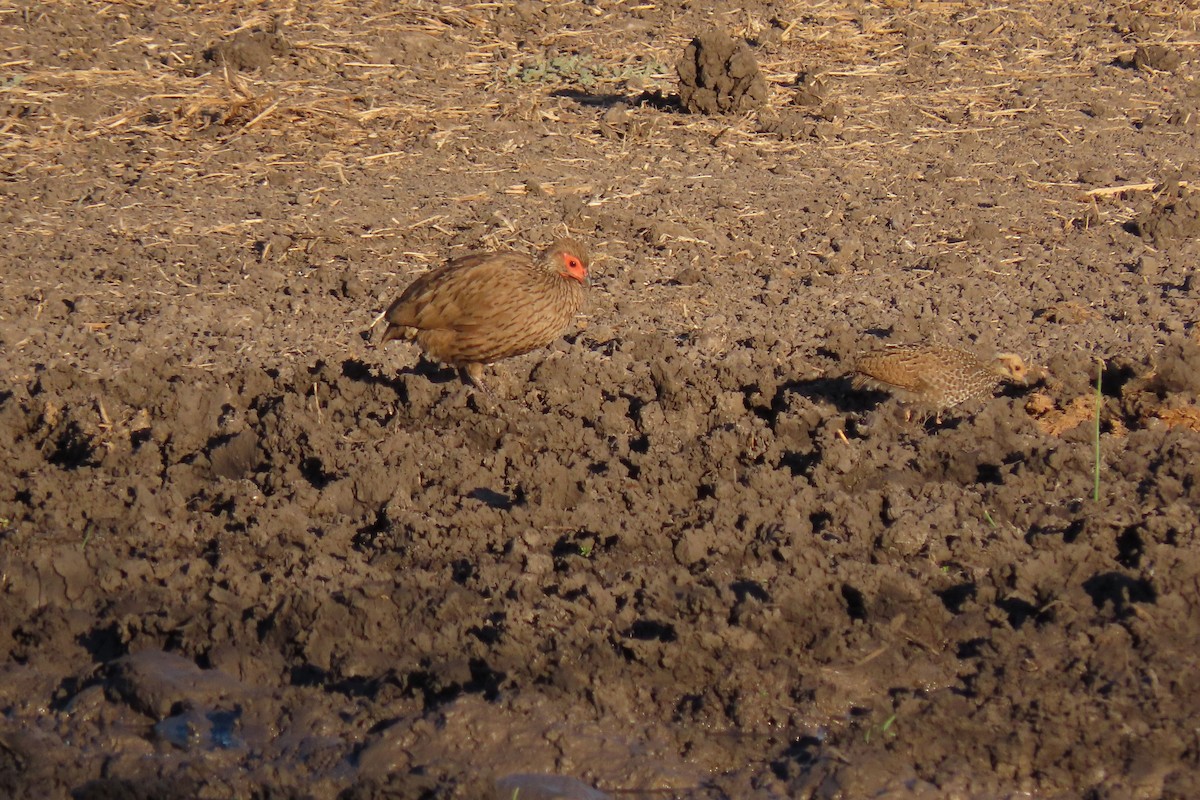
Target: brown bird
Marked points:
479	308
932	375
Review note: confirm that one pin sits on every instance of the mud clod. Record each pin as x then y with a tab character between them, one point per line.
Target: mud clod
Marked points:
1174	217
245	552
718	75
249	50
1157	57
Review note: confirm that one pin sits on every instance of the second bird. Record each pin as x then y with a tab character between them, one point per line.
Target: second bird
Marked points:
935	376
483	307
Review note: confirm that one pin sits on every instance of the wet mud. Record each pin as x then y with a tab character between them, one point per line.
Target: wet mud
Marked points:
247	552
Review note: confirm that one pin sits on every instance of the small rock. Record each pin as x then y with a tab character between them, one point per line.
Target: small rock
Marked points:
407	47
1148	265
948	264
153	681
691	547
248	50
979	231
1156	57
810	90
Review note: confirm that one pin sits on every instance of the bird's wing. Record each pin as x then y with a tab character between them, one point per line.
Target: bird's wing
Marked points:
460	295
888	368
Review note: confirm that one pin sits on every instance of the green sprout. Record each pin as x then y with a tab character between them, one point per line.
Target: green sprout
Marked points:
883	728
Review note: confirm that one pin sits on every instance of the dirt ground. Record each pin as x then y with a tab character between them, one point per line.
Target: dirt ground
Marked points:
244	552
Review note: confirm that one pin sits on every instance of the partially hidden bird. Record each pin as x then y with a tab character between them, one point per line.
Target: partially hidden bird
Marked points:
934	376
483	307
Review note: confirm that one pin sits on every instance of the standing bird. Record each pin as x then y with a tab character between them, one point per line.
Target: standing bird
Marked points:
479	308
932	375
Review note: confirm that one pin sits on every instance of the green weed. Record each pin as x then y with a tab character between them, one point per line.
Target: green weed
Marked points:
883	729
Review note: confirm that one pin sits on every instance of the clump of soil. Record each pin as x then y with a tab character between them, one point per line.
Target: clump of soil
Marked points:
1175	216
1157	57
246	553
248	50
810	89
718	75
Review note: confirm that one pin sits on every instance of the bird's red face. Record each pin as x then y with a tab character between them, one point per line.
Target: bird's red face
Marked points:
574	267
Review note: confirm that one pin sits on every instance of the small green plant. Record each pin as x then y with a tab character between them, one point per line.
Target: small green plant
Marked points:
987	515
884	729
586	547
565	69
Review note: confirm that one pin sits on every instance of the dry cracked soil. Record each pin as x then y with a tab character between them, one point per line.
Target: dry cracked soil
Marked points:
246	552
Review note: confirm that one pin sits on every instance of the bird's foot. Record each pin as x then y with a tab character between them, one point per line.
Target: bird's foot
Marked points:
473	376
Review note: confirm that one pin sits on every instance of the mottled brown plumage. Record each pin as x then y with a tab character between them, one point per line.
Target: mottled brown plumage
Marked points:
936	376
480	308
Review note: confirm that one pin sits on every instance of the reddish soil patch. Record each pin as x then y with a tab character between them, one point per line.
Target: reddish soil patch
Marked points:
245	553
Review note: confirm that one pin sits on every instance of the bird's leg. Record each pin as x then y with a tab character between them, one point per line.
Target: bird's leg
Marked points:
921	416
473	374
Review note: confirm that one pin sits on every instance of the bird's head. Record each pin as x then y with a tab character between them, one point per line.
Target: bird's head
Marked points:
1011	366
569	259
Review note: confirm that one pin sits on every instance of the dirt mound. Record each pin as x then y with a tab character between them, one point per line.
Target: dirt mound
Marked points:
1175	216
718	75
248	49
